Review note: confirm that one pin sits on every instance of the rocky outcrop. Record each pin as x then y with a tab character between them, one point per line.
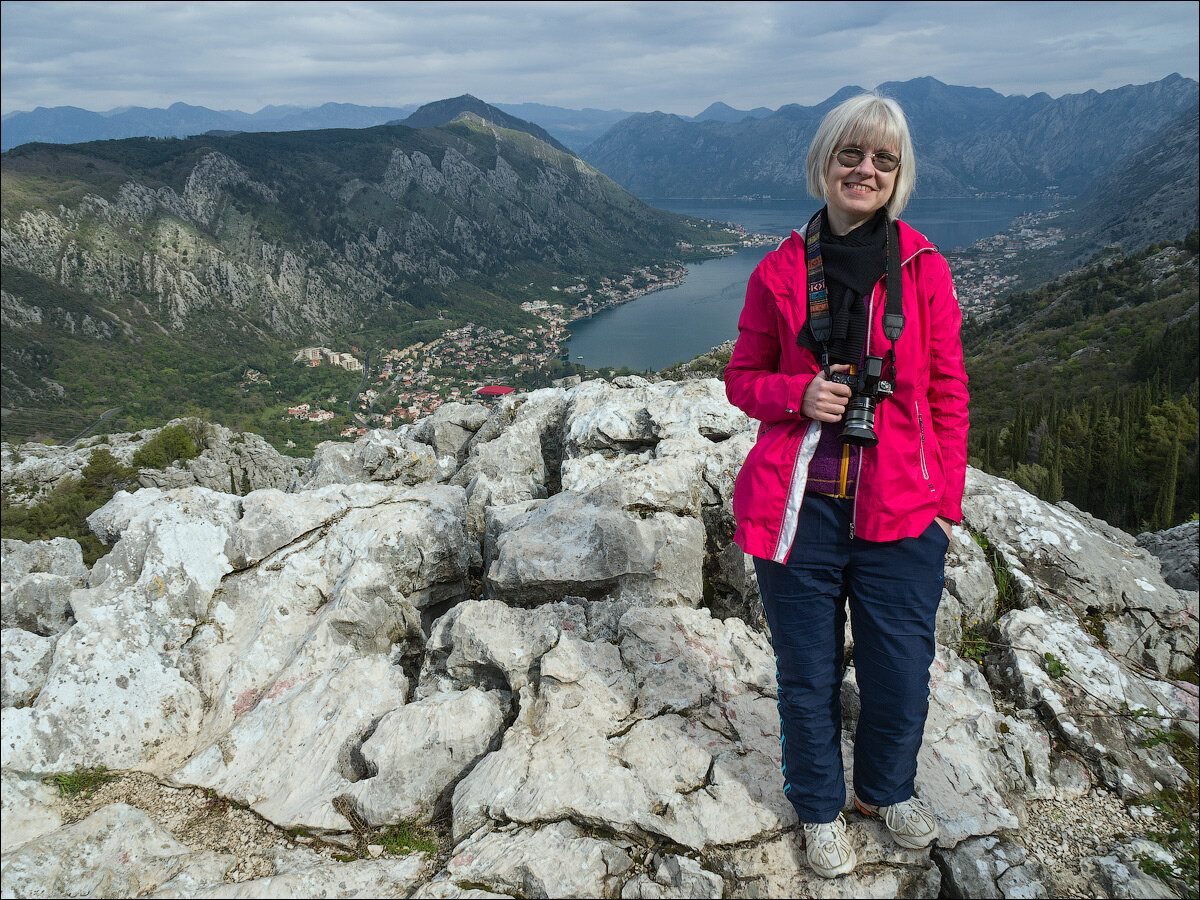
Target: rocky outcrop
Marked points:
1178	550
229	462
569	679
1061	557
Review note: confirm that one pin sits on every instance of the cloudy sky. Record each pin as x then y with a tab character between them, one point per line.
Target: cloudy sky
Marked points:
676	57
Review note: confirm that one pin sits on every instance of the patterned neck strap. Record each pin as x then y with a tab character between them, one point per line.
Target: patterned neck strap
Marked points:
820	321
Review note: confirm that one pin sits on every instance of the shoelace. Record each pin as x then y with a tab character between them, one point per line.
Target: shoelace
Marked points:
824	837
900	816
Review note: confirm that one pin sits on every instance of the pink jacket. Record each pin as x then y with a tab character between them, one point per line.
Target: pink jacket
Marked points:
918	468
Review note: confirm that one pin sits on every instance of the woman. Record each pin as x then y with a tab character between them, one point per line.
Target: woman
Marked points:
826	512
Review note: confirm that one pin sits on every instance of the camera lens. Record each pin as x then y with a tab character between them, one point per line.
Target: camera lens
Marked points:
859	428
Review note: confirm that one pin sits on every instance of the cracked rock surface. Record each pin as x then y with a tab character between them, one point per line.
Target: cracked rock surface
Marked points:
526	630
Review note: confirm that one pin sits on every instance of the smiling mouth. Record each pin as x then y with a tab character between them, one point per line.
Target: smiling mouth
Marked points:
859	188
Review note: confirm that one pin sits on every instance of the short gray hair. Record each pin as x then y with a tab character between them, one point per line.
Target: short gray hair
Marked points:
866	119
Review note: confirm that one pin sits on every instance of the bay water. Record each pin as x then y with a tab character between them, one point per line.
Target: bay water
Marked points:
676	324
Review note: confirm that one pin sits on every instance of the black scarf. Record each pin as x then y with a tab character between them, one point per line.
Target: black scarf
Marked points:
854	263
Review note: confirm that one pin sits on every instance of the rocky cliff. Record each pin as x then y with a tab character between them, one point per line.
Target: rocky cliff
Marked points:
526	629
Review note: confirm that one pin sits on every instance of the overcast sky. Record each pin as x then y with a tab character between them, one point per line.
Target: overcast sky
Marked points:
676	57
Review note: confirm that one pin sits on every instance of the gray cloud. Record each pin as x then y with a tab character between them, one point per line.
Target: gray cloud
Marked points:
677	57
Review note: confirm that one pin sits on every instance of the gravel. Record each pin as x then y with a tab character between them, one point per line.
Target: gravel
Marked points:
1061	833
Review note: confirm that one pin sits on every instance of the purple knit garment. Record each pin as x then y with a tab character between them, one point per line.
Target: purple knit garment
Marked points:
825	468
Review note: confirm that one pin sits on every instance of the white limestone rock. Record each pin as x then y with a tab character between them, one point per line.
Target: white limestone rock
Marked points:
114	695
300	657
117	851
514	455
1060	556
968	578
229	462
672	732
1178	551
568	545
36	581
449	427
1035	642
443	888
609	419
379	455
989	868
491	645
555	860
674	876
60	556
26	663
417	751
302	873
638	484
28	810
39	603
1118	874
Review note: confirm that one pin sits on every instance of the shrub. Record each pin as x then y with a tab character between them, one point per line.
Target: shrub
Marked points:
172	444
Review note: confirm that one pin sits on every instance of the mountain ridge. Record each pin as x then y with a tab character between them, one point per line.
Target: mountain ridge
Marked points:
970	141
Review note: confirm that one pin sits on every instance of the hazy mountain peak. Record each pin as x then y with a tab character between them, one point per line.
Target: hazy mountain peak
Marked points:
442	112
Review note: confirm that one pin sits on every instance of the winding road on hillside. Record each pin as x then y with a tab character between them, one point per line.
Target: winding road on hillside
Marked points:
104	416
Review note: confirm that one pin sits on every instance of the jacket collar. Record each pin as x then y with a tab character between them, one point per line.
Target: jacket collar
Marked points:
912	242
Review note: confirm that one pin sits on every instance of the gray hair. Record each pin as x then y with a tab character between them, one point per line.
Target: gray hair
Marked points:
868	119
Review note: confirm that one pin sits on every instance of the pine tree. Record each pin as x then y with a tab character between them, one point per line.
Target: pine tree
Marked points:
1164	507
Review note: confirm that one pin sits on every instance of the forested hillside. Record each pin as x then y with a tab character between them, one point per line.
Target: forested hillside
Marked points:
1086	389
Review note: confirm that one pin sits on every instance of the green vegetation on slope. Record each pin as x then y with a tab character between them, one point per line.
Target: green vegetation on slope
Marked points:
64	512
1086	389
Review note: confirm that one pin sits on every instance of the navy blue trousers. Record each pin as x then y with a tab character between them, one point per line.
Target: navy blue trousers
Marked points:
894	588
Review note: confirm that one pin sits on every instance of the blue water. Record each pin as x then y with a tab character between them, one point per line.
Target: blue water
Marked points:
676	324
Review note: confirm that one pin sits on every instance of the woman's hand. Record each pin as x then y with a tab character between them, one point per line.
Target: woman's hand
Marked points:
825	400
946	525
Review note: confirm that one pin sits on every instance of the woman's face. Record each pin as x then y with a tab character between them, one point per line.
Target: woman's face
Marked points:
855	194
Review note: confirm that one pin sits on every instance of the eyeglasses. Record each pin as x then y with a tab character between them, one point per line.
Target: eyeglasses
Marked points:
852	157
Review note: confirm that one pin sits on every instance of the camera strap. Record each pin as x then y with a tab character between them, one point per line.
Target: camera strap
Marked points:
820	320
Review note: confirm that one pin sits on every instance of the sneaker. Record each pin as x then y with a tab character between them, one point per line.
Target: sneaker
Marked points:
911	823
828	848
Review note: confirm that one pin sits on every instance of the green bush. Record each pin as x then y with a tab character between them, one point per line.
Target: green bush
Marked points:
172	444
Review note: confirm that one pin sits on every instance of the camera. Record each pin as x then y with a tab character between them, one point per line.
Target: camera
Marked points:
867	388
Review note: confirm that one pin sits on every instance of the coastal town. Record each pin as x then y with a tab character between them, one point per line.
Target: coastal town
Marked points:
984	271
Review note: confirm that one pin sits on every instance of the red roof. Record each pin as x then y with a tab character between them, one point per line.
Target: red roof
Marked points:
494	391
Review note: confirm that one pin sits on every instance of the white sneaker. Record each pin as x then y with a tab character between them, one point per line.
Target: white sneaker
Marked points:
910	821
828	848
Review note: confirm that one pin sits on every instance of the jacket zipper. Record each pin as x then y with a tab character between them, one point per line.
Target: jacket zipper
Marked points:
921	426
858	475
867	352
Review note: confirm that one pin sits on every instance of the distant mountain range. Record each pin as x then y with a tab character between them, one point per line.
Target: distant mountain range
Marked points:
573	128
970	141
71	125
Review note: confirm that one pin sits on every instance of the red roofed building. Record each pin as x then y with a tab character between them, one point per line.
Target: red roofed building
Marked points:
494	391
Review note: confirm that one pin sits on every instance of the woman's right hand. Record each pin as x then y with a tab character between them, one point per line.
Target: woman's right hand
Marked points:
825	400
